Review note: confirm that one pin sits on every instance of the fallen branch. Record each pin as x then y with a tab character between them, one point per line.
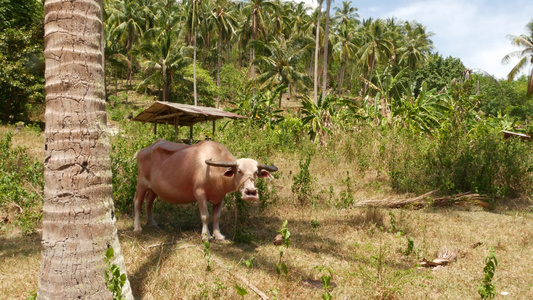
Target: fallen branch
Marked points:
427	200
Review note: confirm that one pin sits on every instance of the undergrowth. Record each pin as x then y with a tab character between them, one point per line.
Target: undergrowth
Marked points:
21	186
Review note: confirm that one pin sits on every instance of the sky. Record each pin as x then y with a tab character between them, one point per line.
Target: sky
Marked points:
474	31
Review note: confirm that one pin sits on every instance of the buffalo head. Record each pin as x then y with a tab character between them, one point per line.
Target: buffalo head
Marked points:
244	172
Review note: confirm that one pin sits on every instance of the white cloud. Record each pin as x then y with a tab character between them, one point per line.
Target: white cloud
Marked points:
474	31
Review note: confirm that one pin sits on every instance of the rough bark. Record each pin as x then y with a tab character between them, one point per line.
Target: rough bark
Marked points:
78	213
194	67
326	46
317	48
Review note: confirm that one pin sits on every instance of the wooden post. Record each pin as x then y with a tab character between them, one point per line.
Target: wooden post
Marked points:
155	128
177	127
191	132
214	129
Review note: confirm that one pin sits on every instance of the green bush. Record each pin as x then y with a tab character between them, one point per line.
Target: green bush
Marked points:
478	161
21	184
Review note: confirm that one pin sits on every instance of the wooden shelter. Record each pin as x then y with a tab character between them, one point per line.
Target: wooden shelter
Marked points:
177	114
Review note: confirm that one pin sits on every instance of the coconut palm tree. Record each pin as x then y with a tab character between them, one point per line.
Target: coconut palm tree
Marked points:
416	46
257	12
346	14
280	65
346	48
317	48
195	11
164	50
126	27
300	21
326	46
376	47
225	23
525	56
78	214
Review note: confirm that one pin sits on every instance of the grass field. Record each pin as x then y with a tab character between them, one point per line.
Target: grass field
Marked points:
369	253
366	257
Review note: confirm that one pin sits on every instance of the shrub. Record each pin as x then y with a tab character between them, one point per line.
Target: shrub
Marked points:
303	183
21	184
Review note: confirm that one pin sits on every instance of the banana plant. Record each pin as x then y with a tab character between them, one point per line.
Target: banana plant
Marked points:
320	117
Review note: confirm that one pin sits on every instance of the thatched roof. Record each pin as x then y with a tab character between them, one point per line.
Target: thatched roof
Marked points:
182	114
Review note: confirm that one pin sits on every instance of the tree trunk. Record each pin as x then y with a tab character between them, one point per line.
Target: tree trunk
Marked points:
341	79
326	41
194	68
78	213
219	63
317	48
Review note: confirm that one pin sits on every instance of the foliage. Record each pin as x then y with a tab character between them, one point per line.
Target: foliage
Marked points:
260	108
319	117
207	89
347	196
457	161
487	290
21	184
241	291
207	255
423	113
438	72
281	266
303	183
21	58
326	277
113	278
232	80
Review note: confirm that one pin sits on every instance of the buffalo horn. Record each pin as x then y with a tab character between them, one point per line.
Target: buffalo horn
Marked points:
267	167
228	164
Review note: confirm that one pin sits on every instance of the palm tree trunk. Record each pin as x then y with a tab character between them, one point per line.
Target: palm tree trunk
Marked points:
194	68
219	63
78	213
326	41
317	48
341	78
530	82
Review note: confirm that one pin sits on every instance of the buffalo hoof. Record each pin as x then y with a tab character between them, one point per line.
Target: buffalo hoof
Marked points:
152	224
207	238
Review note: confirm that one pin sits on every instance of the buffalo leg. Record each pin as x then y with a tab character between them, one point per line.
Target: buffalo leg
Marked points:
138	204
217	209
150	197
204	215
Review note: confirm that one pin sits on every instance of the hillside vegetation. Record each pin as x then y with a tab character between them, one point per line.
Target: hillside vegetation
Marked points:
369	252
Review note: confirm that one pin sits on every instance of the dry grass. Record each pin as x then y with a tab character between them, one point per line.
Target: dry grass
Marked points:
359	245
29	138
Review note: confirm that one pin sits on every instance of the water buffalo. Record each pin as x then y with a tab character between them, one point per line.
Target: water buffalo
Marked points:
205	172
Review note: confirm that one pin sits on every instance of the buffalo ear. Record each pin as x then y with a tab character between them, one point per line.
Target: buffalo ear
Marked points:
264	174
229	172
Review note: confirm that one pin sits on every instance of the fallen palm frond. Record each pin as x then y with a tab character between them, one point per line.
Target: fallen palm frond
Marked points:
444	257
427	200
